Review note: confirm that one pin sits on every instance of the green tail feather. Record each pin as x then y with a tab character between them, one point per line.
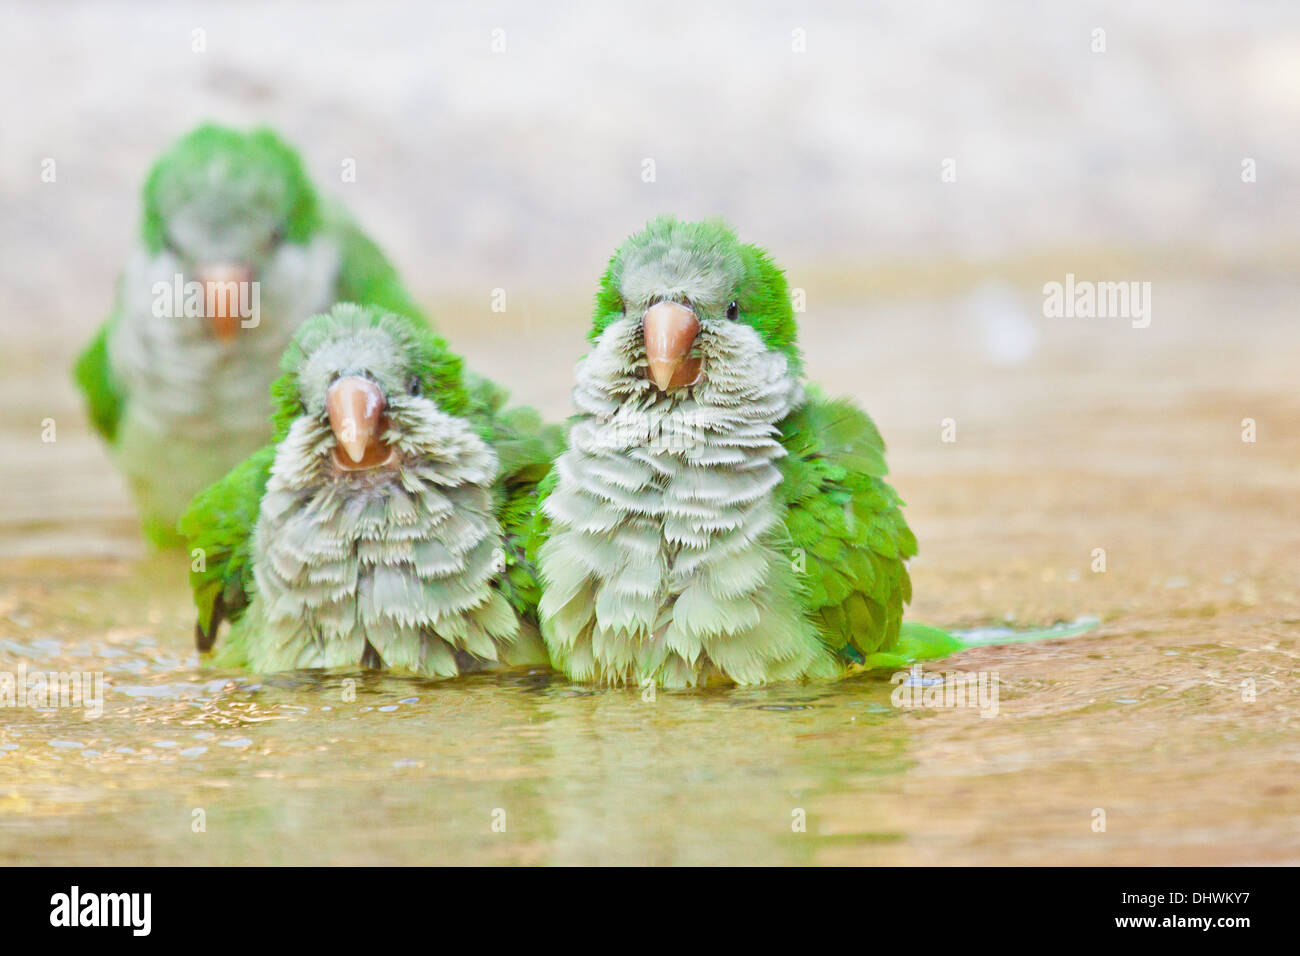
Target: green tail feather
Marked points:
920	642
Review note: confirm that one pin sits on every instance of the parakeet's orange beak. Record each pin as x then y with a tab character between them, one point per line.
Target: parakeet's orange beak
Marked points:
222	283
356	411
670	330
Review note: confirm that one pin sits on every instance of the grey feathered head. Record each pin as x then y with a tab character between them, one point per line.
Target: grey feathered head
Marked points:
369	390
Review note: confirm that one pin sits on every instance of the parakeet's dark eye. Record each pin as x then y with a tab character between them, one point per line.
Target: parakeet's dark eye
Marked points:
733	311
415	385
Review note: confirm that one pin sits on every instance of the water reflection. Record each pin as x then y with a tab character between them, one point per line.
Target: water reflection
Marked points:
191	765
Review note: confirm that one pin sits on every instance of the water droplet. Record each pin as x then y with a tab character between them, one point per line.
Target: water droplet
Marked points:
924	680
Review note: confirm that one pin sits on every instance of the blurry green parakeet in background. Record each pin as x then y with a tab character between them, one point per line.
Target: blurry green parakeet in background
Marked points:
713	518
385	526
236	250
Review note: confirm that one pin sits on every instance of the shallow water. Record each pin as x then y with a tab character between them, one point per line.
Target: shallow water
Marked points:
1105	439
305	768
190	765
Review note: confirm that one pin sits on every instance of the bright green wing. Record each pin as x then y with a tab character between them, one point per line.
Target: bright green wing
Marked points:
535	527
526	448
845	526
102	392
218	527
366	277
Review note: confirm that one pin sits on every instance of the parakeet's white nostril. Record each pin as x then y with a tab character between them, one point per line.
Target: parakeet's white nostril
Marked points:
670	330
225	290
356	408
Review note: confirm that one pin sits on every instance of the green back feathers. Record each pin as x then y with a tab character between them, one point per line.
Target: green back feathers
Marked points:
609	303
526	448
524	444
764	303
264	165
103	394
845	527
686	250
219	529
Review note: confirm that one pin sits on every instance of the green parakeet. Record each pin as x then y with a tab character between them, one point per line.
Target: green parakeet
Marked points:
386	524
236	250
713	518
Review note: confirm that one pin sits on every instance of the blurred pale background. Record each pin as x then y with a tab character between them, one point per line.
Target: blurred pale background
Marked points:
522	169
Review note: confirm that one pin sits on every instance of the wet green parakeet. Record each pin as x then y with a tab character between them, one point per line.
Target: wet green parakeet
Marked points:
714	517
235	251
385	525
